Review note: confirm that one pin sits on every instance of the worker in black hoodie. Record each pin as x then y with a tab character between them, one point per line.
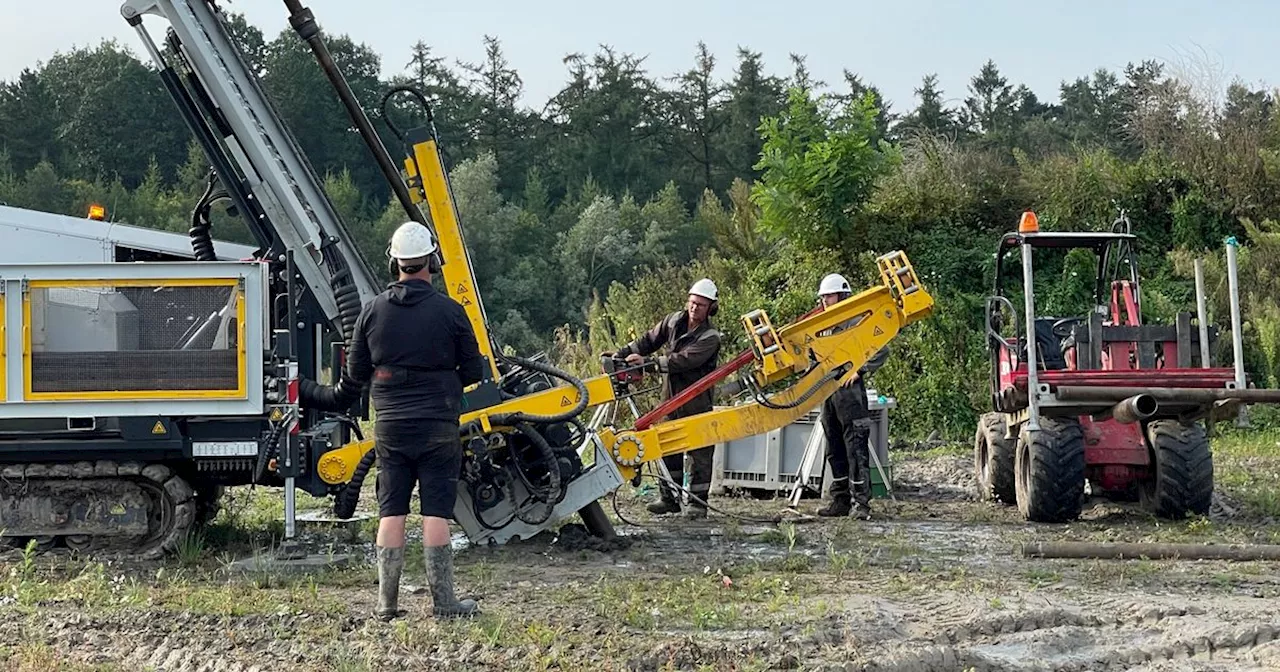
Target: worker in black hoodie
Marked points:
418	347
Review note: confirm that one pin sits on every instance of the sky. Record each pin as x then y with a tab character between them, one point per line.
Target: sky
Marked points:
890	45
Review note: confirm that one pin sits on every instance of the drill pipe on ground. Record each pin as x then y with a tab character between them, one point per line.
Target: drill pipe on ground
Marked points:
1152	551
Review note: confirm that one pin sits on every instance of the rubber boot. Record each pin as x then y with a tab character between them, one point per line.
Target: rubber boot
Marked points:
390	567
440	575
840	506
862	497
697	509
668	502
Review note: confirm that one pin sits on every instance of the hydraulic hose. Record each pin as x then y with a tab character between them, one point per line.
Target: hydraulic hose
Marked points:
346	391
273	447
548	456
833	374
201	226
345	506
511	419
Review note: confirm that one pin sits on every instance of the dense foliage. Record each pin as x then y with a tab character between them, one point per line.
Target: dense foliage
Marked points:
590	217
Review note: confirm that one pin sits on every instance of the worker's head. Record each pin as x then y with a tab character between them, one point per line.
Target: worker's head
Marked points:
833	289
703	301
412	252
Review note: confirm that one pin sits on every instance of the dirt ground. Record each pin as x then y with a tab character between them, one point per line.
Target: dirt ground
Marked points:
934	582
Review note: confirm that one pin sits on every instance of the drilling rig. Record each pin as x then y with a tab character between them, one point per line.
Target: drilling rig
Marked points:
135	392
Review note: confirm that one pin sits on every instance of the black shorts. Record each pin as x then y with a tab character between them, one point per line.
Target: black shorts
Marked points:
426	453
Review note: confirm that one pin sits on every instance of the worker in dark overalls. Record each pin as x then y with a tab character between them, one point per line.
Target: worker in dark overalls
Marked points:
846	423
693	346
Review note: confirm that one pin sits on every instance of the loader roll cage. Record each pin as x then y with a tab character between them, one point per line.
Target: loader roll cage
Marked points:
1111	248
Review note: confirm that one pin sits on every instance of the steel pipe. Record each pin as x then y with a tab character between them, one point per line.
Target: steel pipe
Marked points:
1137	408
1166	394
1202	314
1154	551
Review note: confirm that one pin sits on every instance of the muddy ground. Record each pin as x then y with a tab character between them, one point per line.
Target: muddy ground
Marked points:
934	582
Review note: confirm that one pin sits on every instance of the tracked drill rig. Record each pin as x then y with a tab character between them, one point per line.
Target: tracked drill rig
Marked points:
135	392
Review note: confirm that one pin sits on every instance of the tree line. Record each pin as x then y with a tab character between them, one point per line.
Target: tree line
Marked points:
589	217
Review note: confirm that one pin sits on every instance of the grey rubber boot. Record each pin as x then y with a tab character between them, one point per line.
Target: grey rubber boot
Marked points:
440	576
390	567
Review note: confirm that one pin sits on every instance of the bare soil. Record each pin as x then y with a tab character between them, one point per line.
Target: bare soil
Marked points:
933	582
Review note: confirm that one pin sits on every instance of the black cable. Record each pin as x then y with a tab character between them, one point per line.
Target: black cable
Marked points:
272	447
618	512
519	510
201	228
386	117
705	504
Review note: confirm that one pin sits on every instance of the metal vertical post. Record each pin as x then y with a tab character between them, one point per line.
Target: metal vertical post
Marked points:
1237	332
1202	314
1033	358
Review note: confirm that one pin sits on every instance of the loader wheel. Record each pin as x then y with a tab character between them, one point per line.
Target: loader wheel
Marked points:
993	457
1050	471
1183	466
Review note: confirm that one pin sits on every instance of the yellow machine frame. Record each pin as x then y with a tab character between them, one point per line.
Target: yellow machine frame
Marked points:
242	382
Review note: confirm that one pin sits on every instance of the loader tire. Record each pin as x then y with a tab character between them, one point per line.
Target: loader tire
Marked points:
993	457
1049	468
1182	466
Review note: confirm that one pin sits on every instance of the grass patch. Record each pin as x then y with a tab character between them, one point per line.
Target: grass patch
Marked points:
712	601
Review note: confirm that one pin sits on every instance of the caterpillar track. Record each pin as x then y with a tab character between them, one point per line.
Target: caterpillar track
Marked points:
137	509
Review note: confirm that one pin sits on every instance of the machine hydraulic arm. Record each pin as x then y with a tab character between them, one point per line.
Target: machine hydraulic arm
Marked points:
819	351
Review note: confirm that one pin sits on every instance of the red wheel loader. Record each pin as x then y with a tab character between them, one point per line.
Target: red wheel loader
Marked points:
1111	401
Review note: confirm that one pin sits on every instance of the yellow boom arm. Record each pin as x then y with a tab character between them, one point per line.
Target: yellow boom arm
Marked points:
823	349
427	181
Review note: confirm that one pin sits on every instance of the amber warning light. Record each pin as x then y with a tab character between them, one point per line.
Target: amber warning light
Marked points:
1029	223
97	212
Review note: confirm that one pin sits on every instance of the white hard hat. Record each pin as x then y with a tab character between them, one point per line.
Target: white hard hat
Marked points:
704	288
833	284
411	241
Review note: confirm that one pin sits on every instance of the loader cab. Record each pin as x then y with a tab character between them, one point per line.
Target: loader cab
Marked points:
1067	322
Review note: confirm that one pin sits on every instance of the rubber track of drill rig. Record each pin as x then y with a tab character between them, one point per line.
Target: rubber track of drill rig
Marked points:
112	495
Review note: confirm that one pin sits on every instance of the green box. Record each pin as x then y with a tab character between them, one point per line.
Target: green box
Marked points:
878	489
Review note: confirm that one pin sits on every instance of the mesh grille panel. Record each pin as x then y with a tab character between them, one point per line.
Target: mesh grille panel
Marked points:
128	339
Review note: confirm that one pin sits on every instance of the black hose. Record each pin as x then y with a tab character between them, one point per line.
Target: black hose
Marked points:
272	449
343	394
386	117
345	506
511	419
549	457
833	374
201	226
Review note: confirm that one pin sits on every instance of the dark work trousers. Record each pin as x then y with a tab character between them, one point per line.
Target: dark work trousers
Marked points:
699	475
846	422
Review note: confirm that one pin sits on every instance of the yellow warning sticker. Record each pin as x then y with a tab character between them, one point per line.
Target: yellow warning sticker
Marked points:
462	289
276	413
879	331
564	401
158	428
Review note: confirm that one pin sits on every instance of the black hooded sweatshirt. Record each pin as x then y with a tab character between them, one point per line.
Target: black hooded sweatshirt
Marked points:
418	347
